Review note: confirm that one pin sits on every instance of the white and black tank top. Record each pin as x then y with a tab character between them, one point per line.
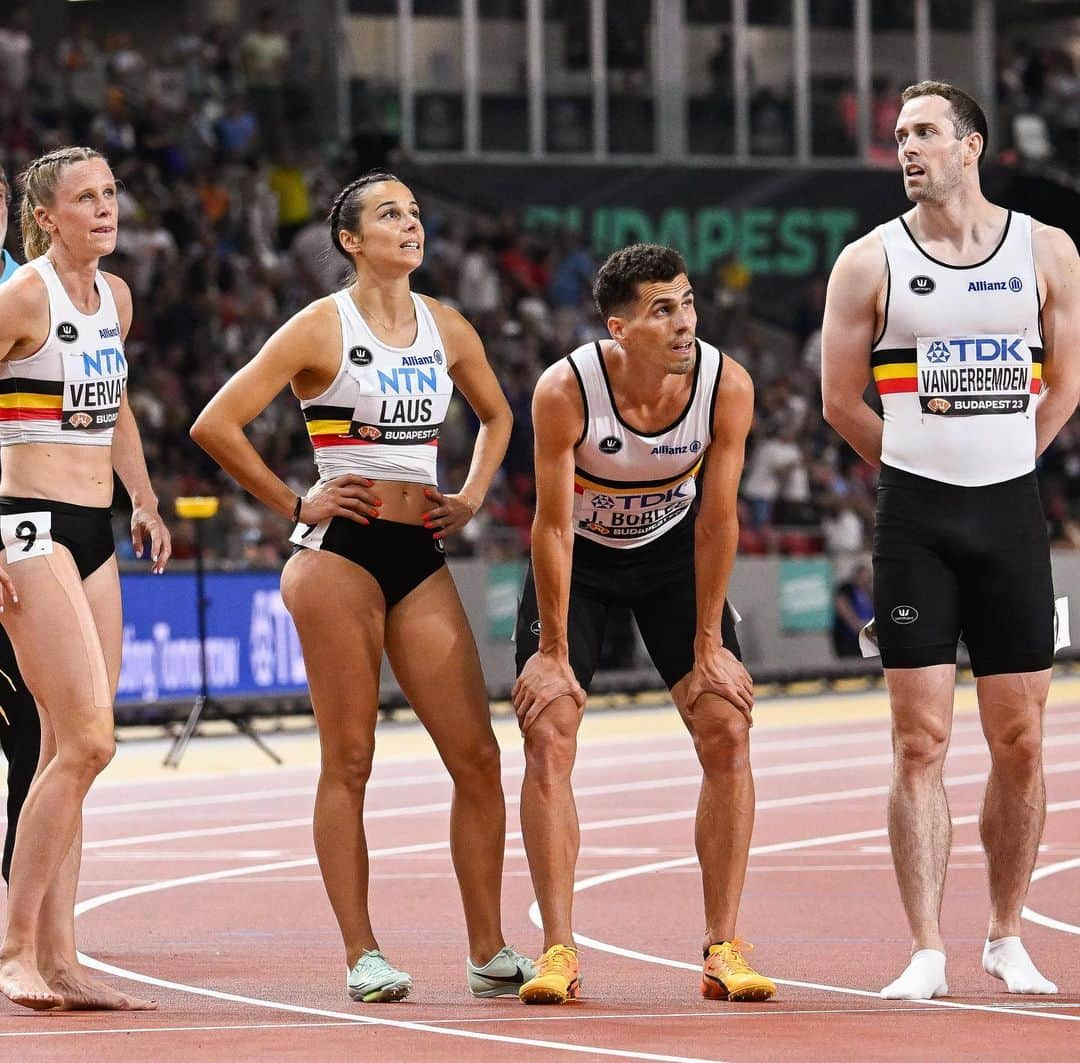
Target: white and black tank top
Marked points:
381	415
630	487
958	365
70	390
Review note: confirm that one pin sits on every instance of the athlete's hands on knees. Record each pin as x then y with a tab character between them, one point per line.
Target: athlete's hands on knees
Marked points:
7	589
544	678
348	496
450	514
146	520
718	671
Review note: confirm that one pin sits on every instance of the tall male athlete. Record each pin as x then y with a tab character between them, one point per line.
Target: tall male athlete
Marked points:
968	315
20	729
622	429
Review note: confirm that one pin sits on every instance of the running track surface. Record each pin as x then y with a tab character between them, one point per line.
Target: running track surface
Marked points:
202	886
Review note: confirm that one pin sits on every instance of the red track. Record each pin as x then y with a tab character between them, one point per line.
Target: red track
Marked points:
209	886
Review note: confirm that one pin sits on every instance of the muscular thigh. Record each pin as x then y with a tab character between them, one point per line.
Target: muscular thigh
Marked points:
433	653
55	635
338	611
102	589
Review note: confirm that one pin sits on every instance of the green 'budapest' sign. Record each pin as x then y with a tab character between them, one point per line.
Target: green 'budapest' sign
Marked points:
769	241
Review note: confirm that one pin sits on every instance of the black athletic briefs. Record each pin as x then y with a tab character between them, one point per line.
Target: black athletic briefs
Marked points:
86	531
655	581
399	556
962	562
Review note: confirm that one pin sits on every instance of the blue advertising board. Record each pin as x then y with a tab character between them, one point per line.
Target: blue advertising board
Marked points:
252	649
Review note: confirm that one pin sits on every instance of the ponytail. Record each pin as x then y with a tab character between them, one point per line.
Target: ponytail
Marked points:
35	239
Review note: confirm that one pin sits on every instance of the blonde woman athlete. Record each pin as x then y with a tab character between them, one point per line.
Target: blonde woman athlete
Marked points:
65	425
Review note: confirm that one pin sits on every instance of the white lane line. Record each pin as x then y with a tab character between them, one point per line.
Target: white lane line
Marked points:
585	763
96	902
803	843
368	1020
714	1013
176	1029
772	771
1044	920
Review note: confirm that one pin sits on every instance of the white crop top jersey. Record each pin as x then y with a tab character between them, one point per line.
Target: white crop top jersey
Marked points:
631	487
382	414
70	389
959	363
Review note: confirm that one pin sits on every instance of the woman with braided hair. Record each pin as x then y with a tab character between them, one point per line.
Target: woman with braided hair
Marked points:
373	367
65	427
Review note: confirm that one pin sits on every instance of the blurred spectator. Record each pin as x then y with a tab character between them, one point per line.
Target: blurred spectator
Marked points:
776	473
15	48
85	78
841	526
289	183
264	54
320	267
112	131
853	608
238	130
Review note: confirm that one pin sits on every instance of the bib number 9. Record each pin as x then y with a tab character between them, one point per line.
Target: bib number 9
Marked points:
26	535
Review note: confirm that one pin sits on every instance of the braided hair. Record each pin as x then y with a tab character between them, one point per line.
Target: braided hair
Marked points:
39	183
345	211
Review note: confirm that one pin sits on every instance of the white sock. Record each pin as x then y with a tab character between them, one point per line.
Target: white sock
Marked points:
923	978
1007	959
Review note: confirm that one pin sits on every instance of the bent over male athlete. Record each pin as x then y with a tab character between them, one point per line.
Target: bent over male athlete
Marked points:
968	316
623	428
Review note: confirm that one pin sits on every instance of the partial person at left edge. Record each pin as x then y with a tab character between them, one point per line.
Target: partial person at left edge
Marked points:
65	426
20	732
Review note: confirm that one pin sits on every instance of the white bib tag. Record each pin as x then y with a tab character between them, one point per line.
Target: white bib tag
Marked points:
93	388
962	376
26	535
1062	639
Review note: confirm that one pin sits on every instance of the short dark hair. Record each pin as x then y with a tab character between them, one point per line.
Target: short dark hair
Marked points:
617	281
967	115
7	185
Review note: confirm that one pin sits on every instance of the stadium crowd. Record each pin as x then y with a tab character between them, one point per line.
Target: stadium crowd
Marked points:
223	235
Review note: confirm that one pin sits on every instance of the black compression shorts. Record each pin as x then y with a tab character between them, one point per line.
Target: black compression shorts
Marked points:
655	581
969	563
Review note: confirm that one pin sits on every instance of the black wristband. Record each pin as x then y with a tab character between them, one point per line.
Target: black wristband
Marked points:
296	509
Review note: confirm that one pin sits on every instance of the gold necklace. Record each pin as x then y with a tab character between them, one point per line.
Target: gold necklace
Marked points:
368	313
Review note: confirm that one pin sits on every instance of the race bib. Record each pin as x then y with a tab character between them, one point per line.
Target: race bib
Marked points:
26	535
961	376
400	405
93	388
309	535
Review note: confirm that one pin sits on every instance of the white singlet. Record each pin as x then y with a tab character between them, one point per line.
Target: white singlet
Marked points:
382	414
631	487
70	389
958	365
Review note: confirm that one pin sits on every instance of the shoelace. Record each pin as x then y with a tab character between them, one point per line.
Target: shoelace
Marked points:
732	956
559	959
375	964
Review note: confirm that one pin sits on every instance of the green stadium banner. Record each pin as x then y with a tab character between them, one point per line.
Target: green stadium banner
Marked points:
505	579
805	595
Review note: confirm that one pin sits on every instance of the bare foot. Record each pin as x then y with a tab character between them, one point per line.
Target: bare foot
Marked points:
21	984
79	992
